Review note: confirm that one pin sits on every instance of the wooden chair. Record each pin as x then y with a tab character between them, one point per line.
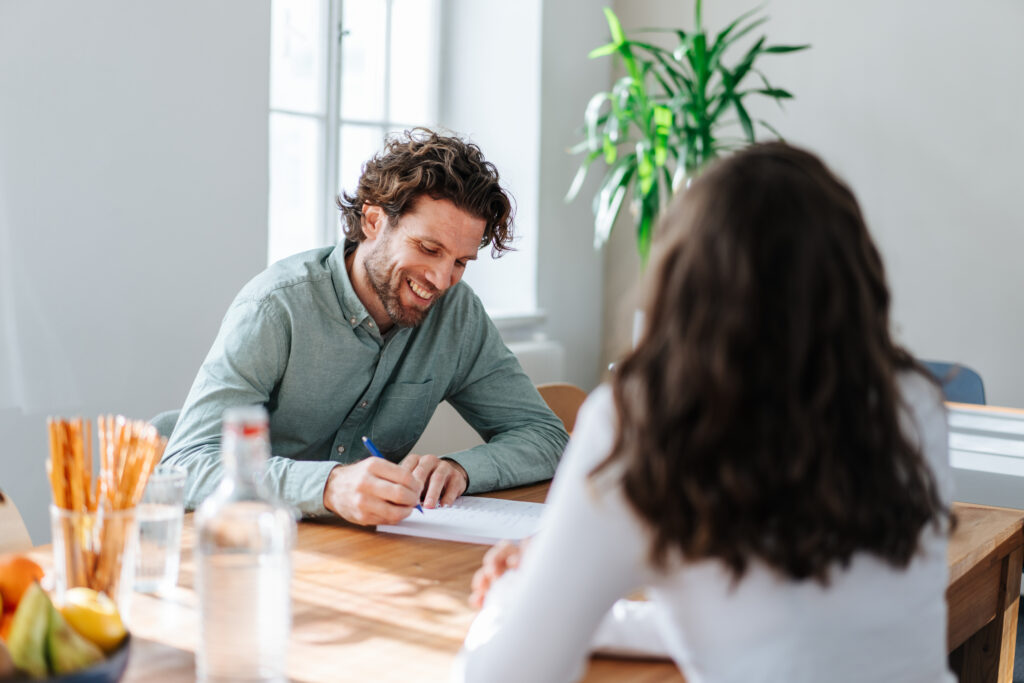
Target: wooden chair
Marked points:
14	536
564	399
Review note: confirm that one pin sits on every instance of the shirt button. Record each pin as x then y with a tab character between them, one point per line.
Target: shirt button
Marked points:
363	404
352	320
341	449
371	323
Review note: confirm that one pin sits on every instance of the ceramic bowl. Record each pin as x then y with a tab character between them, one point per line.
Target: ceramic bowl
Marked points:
110	670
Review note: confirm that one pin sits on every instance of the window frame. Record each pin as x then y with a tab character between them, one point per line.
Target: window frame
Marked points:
331	119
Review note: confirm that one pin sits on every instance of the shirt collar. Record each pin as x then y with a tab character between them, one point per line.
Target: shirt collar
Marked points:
351	307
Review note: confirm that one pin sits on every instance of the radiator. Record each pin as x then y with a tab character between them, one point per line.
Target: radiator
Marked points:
543	361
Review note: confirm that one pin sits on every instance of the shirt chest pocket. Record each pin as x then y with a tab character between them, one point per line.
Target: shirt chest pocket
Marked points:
402	414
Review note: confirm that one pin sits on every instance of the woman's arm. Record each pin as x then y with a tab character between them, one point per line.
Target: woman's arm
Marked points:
539	621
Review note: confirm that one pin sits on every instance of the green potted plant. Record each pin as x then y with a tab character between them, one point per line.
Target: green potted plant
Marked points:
669	116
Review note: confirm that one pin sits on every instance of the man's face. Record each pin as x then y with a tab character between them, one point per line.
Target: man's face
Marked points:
414	261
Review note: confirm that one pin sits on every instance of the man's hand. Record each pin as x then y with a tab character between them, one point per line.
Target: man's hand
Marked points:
444	480
372	491
499	559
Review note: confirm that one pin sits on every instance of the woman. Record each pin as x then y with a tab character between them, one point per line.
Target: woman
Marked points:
767	465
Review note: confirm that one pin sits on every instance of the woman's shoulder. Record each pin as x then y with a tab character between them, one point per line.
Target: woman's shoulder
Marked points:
926	423
592	436
922	398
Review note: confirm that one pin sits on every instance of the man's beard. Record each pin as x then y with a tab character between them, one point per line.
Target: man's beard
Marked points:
387	284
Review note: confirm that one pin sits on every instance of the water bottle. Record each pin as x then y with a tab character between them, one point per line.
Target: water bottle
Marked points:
243	562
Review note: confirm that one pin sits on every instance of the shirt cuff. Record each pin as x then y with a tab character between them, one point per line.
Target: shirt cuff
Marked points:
305	484
480	468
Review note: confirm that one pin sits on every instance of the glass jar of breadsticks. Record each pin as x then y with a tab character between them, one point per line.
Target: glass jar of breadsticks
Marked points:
93	513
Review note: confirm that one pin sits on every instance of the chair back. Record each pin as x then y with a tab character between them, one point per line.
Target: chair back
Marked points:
564	399
165	422
960	384
14	536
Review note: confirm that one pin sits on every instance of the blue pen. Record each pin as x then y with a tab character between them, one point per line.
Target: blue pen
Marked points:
375	453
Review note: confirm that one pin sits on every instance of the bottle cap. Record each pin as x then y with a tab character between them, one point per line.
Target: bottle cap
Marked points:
246	420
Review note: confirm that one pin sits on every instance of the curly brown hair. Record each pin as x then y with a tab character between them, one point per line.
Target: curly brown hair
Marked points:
421	162
759	415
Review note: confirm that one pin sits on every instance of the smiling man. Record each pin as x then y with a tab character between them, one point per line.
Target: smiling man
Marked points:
367	338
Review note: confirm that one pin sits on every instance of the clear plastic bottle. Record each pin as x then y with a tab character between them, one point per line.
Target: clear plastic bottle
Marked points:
243	562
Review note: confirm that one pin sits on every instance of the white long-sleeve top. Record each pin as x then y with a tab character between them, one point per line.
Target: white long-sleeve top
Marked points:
873	622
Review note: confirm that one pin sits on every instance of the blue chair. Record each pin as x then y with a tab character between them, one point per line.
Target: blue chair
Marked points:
165	422
960	384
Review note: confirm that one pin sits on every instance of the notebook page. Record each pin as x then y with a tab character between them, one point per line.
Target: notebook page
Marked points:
472	519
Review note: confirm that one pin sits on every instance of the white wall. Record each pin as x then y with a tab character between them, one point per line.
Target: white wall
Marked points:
490	66
133	206
916	104
517	80
569	271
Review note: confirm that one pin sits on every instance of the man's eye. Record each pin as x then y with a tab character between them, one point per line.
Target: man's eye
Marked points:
460	264
428	250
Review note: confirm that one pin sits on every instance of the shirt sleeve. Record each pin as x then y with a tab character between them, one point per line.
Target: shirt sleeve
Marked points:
524	439
539	622
247	360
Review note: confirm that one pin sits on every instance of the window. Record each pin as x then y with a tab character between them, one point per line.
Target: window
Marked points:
334	96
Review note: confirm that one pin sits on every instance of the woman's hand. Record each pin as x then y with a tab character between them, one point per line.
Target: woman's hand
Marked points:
498	560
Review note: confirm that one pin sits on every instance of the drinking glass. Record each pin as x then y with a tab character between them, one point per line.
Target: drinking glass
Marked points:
160	514
95	549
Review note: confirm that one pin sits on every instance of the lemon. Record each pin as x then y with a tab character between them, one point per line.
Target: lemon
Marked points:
94	616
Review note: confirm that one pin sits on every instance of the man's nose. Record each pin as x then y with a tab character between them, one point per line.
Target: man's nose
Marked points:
442	276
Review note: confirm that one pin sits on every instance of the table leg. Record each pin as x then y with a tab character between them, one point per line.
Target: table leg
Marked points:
987	656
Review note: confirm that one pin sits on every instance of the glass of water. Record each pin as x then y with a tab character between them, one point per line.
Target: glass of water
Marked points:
159	516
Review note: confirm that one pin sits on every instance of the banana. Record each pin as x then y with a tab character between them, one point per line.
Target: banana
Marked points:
27	641
66	650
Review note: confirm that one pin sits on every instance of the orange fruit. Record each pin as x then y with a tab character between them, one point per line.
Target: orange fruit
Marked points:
5	625
17	573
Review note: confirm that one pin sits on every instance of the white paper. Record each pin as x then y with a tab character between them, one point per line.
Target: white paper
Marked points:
472	519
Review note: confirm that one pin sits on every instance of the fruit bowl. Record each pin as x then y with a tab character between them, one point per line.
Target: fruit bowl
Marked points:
110	670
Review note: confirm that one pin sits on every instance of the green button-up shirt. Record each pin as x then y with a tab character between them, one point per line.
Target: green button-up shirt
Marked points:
298	340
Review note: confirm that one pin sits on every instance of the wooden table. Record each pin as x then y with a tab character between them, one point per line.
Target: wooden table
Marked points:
984	586
366	607
377	607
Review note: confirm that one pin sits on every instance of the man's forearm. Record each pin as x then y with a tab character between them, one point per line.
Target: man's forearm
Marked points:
513	458
298	483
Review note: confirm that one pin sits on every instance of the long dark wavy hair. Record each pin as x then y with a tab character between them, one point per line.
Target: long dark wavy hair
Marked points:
759	415
422	162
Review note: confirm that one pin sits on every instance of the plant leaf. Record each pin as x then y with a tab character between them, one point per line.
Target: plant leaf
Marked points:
619	38
644	168
748	127
603	51
610	152
579	147
608	201
781	49
663	119
590	117
742	32
680	77
722	42
724	33
581	174
777	93
770	128
740	72
614	26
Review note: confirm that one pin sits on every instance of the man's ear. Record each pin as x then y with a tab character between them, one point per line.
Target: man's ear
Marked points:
373	220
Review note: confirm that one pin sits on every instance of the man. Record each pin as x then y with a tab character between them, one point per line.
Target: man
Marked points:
366	338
